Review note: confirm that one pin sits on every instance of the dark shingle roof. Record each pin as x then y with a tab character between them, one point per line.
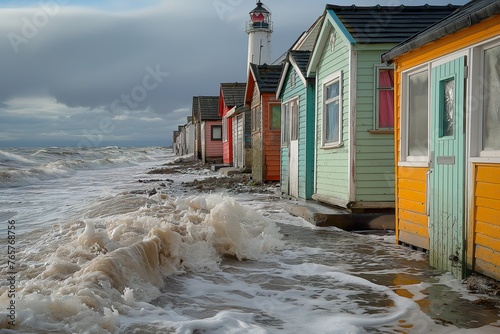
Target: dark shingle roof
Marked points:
208	107
233	93
195	108
388	24
267	77
471	13
301	58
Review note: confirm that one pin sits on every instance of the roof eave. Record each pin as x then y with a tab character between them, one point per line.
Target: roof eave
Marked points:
429	35
281	84
320	44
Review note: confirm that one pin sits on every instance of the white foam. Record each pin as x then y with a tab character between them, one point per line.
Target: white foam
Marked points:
111	266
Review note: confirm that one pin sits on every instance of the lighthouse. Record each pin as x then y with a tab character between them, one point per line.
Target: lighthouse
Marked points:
259	29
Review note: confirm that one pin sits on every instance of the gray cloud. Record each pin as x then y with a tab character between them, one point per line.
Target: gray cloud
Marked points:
63	68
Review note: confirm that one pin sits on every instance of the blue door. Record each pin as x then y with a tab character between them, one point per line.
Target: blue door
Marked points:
447	172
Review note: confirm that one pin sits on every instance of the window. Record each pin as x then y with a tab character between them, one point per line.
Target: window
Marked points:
415	116
293	79
216	132
256	116
275	116
332	112
224	129
331	42
384	98
290	129
285	133
491	98
294	120
447	108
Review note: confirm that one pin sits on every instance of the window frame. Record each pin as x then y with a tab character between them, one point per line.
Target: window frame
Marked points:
327	82
256	119
477	88
293	79
270	115
404	158
286	120
376	97
212	127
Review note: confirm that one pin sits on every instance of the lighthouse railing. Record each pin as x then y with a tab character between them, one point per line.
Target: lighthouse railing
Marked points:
253	26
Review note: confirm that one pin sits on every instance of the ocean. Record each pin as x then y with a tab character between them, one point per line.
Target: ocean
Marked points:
88	247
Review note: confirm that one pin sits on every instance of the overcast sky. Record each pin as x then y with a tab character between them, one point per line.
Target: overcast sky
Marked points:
123	72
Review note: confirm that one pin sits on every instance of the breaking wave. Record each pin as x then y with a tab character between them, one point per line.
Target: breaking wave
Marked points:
104	267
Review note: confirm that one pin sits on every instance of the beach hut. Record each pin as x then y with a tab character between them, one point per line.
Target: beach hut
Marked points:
231	94
354	151
242	136
447	95
260	98
296	91
208	128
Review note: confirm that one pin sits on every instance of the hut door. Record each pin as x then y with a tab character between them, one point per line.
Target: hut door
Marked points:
447	172
240	135
294	149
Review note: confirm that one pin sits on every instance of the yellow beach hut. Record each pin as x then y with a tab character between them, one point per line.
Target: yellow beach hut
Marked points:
447	137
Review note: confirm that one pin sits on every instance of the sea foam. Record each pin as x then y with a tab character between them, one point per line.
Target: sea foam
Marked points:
107	266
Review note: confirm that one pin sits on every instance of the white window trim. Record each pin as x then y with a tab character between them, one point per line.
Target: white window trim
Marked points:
376	104
477	154
288	102
270	106
293	78
404	158
337	76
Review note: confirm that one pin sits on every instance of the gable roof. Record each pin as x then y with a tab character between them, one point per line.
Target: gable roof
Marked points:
471	13
308	38
301	59
376	24
266	77
208	108
298	60
387	24
232	93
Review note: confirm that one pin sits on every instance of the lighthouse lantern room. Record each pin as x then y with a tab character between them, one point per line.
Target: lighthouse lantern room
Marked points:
259	29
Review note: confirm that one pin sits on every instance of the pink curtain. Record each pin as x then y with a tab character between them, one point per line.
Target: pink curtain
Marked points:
386	99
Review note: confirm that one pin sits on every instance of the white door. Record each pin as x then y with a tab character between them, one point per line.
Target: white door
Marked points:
294	149
238	141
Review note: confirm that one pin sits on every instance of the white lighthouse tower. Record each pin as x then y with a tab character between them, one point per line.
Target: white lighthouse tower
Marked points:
259	30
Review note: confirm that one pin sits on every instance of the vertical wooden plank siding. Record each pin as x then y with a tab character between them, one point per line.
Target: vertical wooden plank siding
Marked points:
257	154
308	135
227	146
487	219
447	181
332	174
305	94
285	159
271	141
374	152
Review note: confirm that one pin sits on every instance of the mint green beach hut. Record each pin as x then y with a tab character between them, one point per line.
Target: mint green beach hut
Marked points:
296	91
353	158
